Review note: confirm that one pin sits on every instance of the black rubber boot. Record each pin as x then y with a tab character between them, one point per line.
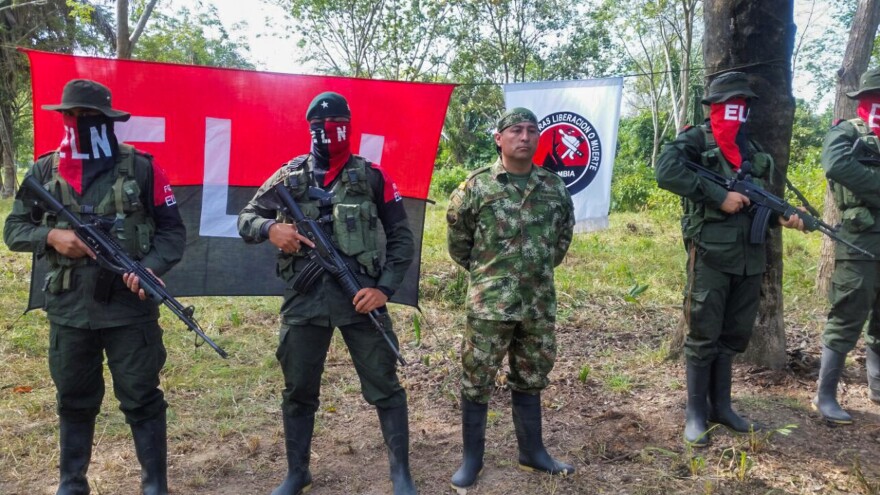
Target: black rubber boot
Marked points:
527	424
473	434
75	438
395	431
826	396
872	362
696	432
152	452
298	445
720	410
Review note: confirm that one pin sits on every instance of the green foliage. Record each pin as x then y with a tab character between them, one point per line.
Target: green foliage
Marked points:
446	179
193	38
584	373
631	186
417	328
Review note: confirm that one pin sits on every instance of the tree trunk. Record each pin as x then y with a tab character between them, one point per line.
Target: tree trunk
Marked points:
855	62
123	46
758	38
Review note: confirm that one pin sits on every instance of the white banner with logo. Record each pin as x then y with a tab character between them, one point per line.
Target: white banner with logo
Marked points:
578	125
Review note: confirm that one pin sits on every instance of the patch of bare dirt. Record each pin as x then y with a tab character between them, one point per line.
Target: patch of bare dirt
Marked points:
623	440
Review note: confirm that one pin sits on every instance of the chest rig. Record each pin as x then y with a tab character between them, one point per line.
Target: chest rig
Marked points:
854	213
696	214
347	212
121	206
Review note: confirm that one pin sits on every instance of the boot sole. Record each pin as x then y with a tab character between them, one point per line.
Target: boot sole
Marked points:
530	469
830	420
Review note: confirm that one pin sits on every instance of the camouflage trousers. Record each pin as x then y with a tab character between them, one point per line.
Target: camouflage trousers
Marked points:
529	345
855	298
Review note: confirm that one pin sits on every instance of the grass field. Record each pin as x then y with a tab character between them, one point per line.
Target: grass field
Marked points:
614	407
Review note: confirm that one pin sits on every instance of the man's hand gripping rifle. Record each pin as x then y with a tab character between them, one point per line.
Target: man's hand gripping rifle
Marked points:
112	257
326	256
767	203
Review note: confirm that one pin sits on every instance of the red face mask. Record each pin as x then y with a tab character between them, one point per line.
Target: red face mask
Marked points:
331	148
728	120
89	149
869	111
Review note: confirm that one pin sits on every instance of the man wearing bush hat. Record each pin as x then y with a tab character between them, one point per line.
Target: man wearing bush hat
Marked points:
92	311
361	197
851	159
725	264
510	224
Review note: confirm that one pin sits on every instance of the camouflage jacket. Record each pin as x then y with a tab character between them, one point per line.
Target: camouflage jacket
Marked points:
510	241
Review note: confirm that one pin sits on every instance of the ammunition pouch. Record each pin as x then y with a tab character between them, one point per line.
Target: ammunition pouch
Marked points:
58	280
857	219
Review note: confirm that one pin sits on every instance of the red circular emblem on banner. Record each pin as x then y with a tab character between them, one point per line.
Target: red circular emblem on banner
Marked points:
569	146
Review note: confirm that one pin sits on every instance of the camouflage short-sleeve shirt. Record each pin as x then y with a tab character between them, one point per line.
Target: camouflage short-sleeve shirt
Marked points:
510	241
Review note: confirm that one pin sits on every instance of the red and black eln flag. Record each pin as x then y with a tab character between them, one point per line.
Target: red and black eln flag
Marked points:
219	133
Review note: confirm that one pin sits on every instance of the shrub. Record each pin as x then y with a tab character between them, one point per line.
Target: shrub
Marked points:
446	179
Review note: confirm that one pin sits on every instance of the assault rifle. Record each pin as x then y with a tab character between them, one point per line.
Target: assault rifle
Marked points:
765	203
327	257
112	257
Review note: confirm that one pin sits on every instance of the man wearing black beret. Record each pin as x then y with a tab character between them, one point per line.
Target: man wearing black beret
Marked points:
361	197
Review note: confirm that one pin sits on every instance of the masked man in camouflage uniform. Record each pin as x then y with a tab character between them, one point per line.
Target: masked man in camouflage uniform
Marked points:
363	195
851	159
725	265
509	225
91	310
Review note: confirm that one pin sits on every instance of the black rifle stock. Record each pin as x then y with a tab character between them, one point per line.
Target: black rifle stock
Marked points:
759	197
327	257
112	257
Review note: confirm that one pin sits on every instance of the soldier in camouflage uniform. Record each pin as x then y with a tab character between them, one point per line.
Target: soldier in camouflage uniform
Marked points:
509	225
91	310
725	266
363	196
851	159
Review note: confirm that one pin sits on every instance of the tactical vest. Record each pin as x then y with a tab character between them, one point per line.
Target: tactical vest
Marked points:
854	213
349	216
695	214
132	226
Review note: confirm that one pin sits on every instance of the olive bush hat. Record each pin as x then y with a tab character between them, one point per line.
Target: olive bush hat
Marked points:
870	81
328	104
515	116
85	93
727	86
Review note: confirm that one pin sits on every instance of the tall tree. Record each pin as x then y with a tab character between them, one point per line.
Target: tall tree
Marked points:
392	39
510	41
193	38
758	38
44	25
855	61
658	37
126	39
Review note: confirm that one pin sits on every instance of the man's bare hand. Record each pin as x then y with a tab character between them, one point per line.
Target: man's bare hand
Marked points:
66	243
734	202
793	222
285	237
369	299
134	283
